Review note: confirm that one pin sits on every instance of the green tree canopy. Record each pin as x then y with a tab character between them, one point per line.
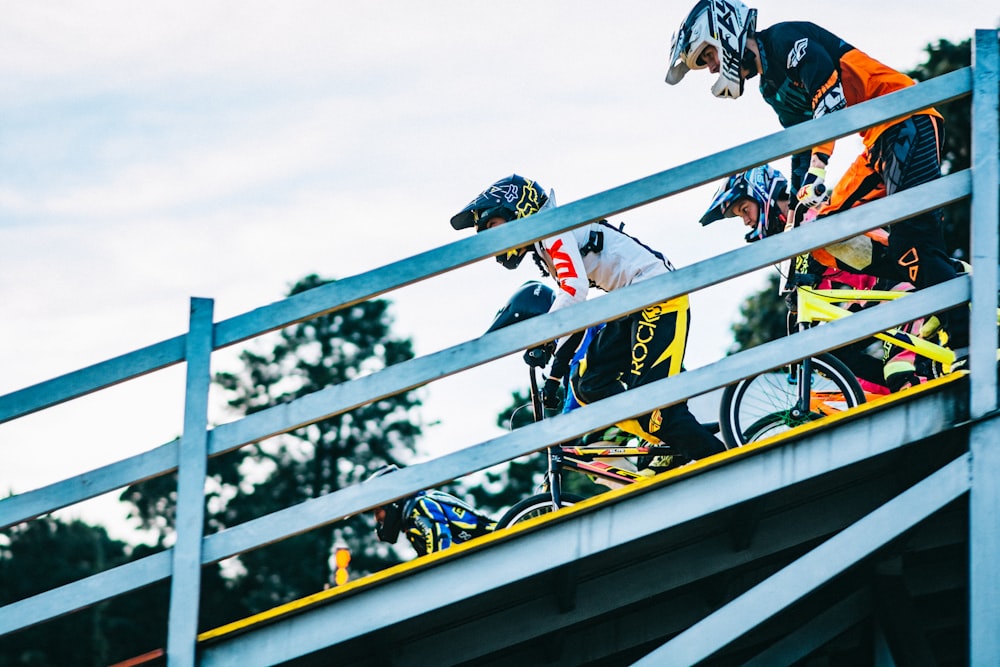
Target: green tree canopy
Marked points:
309	462
45	553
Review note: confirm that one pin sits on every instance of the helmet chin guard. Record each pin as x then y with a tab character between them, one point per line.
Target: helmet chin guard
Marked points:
723	24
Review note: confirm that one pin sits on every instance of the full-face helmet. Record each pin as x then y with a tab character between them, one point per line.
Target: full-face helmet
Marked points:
388	529
765	186
510	198
530	300
724	24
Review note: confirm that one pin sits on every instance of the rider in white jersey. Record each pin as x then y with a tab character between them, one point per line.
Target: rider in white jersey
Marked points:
621	261
634	350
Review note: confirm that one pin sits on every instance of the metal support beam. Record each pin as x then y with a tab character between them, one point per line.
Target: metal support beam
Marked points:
795	646
984	438
984	233
814	569
185	585
984	544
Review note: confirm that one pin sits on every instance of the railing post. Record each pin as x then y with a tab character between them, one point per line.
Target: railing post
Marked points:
984	436
185	584
985	212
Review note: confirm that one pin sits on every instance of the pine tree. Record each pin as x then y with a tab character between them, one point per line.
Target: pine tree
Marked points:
309	462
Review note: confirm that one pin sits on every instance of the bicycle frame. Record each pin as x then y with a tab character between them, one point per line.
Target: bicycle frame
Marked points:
815	305
590	460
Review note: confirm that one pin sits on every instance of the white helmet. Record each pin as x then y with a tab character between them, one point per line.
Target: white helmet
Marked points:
724	24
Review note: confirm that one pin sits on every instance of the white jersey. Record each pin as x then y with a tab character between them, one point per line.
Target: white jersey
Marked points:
597	255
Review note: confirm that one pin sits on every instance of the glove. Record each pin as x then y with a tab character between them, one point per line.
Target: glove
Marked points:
552	394
813	192
539	357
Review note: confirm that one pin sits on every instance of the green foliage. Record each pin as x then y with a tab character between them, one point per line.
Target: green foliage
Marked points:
46	553
942	58
762	318
308	462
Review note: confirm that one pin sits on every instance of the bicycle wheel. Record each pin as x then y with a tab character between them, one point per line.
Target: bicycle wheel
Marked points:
533	506
761	406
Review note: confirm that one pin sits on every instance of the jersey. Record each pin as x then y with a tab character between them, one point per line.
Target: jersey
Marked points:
808	72
434	520
597	255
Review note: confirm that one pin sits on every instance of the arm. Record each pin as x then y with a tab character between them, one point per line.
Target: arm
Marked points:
564	256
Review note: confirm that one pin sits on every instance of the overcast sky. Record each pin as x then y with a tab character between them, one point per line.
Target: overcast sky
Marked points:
152	152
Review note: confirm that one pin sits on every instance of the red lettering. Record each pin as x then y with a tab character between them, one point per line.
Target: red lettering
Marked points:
564	266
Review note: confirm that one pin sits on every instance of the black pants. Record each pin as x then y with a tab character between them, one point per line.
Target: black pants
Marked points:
638	349
905	155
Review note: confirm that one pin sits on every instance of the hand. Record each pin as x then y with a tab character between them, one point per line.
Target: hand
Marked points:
813	191
552	394
539	357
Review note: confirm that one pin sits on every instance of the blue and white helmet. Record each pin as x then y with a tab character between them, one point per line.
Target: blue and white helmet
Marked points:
765	186
724	24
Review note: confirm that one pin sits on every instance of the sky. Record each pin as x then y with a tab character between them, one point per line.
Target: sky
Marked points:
153	152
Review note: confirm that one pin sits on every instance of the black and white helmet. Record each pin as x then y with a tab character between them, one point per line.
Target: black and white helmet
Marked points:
724	24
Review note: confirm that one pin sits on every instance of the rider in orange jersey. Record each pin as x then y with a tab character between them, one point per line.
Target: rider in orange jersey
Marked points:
807	72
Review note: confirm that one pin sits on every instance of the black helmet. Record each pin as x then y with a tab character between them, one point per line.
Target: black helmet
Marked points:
765	186
388	529
531	299
510	198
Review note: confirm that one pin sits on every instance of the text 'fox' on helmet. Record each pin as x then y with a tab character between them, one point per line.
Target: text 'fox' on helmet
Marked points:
724	24
765	185
530	300
388	529
510	198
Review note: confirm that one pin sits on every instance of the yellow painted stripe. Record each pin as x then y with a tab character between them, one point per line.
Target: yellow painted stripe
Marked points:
642	485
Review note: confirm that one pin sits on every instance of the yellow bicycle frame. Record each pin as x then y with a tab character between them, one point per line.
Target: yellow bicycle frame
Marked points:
817	305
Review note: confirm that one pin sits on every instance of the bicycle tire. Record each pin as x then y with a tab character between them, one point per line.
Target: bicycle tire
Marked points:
533	506
760	406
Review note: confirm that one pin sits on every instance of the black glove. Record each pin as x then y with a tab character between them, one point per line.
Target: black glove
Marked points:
792	302
552	394
539	356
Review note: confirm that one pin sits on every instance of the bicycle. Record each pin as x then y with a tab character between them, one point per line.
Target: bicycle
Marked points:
761	406
606	463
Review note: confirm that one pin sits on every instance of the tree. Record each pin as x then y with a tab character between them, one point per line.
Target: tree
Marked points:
45	553
942	58
762	318
309	462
